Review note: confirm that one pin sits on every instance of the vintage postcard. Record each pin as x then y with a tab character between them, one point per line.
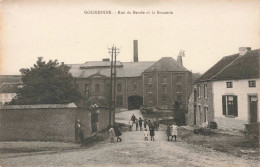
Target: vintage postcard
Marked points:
129	83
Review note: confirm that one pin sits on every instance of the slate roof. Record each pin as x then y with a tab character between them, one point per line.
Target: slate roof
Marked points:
166	64
94	64
9	87
129	69
234	67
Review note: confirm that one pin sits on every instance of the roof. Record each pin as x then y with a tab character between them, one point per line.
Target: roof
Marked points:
10	78
129	69
234	67
39	106
95	64
166	64
9	87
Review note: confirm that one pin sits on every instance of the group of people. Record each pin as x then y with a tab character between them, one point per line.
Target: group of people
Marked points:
147	123
140	122
171	130
114	131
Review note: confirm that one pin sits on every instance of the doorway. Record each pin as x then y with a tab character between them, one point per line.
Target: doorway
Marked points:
134	102
253	102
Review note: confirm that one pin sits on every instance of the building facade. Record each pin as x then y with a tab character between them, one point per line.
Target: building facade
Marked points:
228	92
156	84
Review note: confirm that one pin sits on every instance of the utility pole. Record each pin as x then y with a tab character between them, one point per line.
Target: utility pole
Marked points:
112	99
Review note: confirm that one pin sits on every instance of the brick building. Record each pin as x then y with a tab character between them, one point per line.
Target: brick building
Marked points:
156	84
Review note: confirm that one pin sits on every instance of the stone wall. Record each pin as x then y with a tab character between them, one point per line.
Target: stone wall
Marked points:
37	122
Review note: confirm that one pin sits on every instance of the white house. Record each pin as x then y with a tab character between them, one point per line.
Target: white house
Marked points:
228	92
8	91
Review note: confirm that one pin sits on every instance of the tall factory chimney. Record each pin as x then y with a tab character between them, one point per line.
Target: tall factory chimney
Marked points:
135	50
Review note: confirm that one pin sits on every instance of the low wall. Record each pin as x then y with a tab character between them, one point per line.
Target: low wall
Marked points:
230	123
38	122
103	119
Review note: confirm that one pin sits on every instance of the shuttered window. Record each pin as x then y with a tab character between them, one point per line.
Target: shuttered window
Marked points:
229	105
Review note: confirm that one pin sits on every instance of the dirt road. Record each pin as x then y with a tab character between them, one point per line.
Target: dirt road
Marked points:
133	151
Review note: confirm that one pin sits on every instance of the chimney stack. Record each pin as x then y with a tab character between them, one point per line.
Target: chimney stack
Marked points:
179	60
135	50
243	50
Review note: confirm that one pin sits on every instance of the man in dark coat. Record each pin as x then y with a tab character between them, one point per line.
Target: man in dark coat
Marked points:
117	133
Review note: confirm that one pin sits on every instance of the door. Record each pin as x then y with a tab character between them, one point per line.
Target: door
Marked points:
195	113
253	108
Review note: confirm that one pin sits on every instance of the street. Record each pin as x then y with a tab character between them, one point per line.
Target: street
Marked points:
133	151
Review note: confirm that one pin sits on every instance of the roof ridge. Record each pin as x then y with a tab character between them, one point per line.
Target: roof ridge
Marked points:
225	67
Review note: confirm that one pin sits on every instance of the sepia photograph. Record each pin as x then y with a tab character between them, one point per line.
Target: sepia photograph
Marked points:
111	83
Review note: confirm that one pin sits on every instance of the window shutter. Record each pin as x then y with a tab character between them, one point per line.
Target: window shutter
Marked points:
224	105
235	106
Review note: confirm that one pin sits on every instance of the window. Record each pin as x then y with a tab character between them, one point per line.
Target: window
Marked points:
150	98
150	80
164	98
178	88
229	105
199	91
205	91
134	87
179	78
150	87
251	84
164	79
205	113
229	85
164	88
179	98
87	90
119	87
97	88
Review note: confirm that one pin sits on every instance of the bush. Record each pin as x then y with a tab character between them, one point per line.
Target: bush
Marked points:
179	114
213	125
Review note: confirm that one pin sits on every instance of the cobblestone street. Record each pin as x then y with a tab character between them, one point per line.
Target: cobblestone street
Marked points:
133	151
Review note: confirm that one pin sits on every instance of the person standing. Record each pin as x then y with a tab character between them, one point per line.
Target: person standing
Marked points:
133	118
111	134
136	125
152	134
140	123
130	125
168	131
145	123
118	133
174	131
79	130
145	135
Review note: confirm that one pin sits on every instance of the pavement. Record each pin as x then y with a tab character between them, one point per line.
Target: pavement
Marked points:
134	151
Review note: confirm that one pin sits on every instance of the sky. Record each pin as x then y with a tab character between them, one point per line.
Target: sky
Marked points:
206	30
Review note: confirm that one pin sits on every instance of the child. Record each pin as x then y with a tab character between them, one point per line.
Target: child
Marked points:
112	134
152	133
131	125
174	131
136	125
145	135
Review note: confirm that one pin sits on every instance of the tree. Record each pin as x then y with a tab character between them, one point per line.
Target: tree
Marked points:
46	83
